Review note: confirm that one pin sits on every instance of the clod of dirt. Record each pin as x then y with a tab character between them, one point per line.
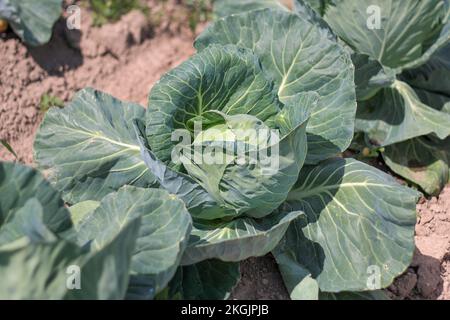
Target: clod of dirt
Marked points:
260	280
404	285
431	259
429	282
115	38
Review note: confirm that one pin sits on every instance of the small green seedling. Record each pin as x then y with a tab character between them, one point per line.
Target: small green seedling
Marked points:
48	101
105	11
199	11
8	147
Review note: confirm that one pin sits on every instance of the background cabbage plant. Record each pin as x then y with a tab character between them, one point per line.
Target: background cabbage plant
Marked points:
404	102
31	20
408	114
330	222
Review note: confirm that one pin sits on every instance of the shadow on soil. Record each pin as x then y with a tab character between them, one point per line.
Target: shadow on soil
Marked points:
60	54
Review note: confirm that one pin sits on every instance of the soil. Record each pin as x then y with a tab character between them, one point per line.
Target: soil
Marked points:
260	280
125	59
428	277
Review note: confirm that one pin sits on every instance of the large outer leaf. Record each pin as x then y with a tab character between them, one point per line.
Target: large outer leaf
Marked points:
298	280
39	270
363	295
431	81
409	29
299	56
162	237
423	160
238	239
435	100
439	43
89	148
396	114
18	184
40	267
82	209
106	271
207	280
356	217
370	76
31	20
224	8
223	78
33	262
26	221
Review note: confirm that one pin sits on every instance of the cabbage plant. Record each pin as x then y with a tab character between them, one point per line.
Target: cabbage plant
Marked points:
268	83
31	20
404	102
